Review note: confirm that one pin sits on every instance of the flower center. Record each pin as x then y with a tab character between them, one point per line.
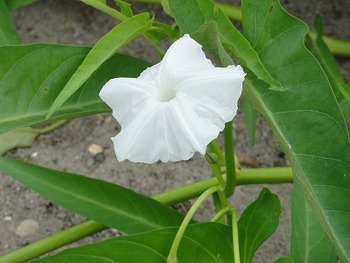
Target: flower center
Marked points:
167	95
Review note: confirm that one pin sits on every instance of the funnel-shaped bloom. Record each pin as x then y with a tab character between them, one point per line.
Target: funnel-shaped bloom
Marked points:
174	108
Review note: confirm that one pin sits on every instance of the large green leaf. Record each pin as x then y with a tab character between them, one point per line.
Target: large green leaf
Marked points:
306	118
190	15
107	46
258	222
32	76
205	242
8	33
104	202
319	49
309	241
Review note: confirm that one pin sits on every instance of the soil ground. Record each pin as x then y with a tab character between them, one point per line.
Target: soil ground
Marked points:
66	148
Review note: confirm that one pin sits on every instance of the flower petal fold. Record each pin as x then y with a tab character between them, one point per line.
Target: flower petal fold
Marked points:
175	108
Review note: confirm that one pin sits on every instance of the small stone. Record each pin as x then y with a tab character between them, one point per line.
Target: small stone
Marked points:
100	157
108	119
34	154
95	149
7	218
27	228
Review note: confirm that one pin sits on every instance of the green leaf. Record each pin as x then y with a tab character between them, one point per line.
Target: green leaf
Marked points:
8	32
208	33
309	241
250	116
14	4
205	242
190	15
319	49
17	138
305	118
26	98
125	8
106	203
107	46
23	137
258	222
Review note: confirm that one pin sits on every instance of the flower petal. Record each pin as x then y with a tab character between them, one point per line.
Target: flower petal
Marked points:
184	57
161	134
212	99
127	97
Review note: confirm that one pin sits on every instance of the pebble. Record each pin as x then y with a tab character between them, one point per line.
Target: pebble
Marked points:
95	149
100	157
27	228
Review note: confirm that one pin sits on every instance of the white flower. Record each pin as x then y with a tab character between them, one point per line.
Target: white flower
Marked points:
174	108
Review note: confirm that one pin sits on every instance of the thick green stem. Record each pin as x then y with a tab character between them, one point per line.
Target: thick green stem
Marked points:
172	257
276	175
229	160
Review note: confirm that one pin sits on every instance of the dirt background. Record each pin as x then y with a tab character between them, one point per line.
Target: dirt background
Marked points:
66	148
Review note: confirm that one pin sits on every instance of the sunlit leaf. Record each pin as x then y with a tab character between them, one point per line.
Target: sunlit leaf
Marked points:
32	76
105	48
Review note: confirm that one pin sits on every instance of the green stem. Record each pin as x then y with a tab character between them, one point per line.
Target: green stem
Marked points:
229	160
50	127
172	257
185	192
220	214
106	9
214	148
235	237
50	243
264	176
245	176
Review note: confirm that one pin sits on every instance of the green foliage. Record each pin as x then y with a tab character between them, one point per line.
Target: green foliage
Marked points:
29	96
8	33
258	221
154	247
297	89
309	241
190	15
17	138
319	49
306	118
105	48
106	203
